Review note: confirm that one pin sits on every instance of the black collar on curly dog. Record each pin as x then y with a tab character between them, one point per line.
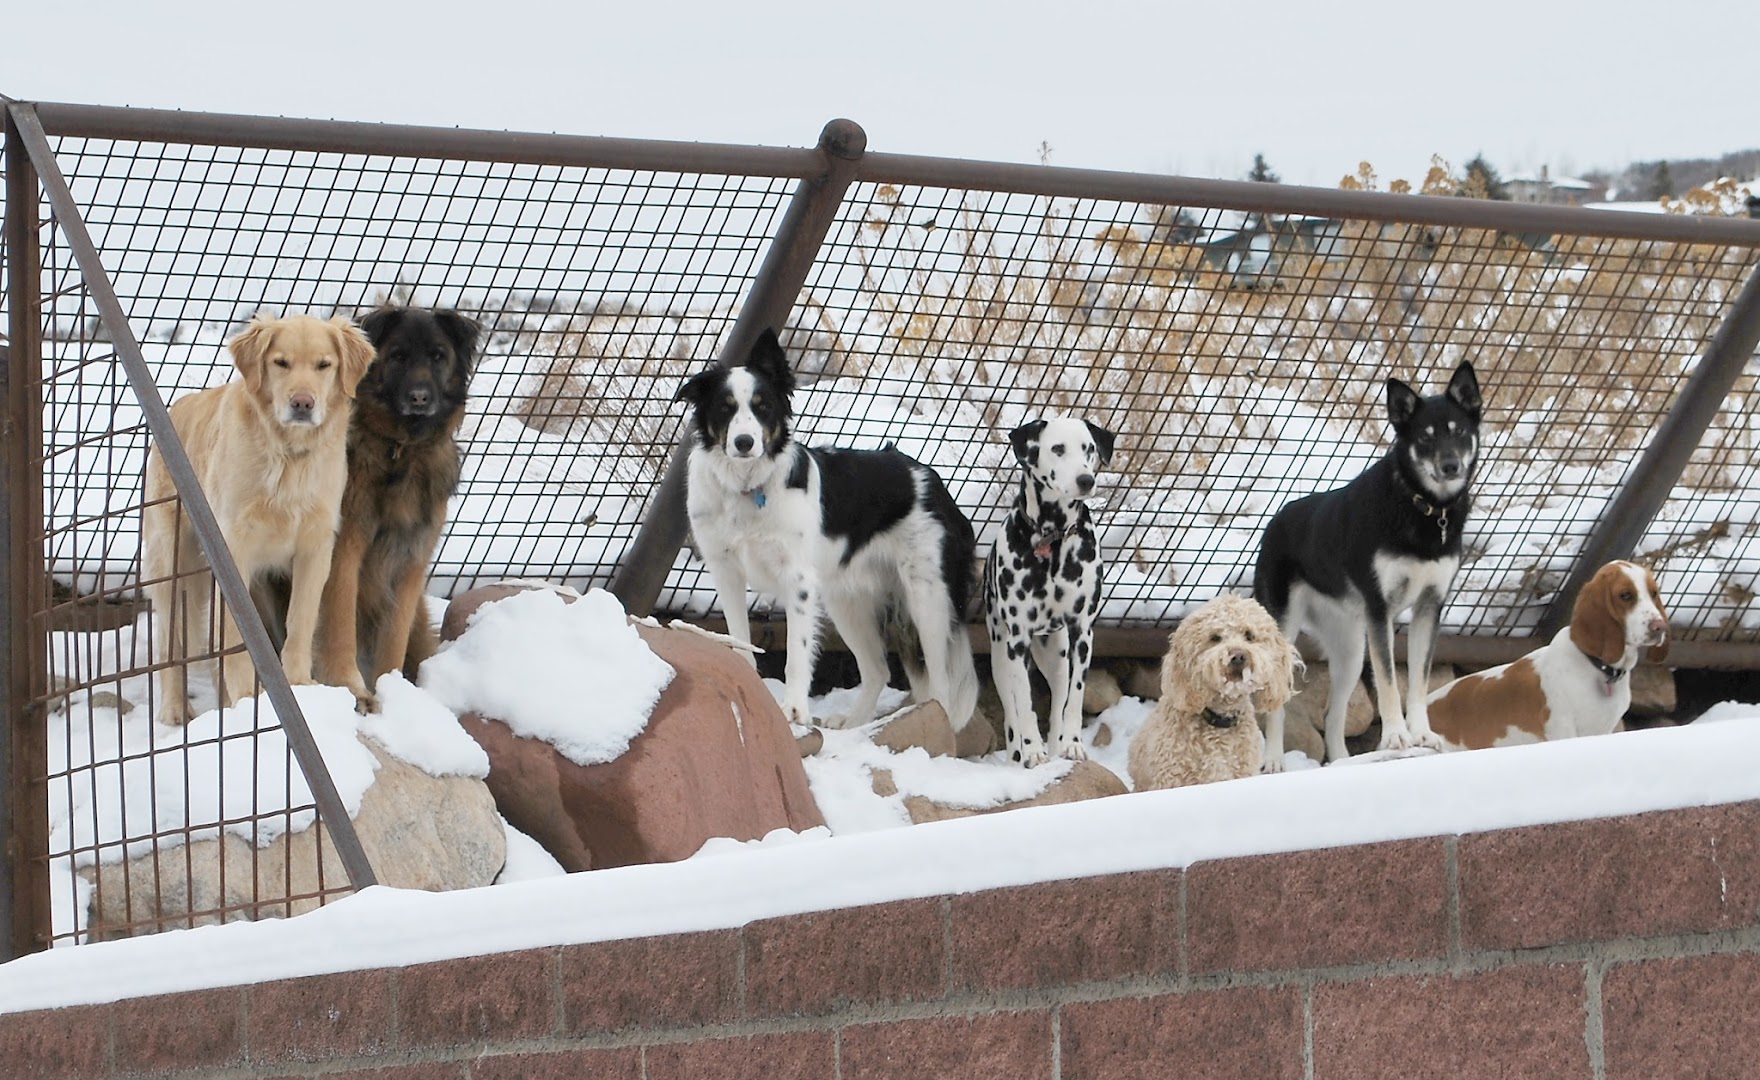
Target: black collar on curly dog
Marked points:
1216	719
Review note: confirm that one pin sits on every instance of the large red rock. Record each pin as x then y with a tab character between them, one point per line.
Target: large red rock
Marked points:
717	759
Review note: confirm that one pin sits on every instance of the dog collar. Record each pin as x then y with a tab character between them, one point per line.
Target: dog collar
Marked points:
1608	672
1221	720
1440	513
1042	542
757	495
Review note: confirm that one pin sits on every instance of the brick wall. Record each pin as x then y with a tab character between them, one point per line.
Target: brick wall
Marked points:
1621	948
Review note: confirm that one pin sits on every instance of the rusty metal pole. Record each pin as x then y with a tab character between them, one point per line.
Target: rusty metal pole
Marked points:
641	573
24	809
1651	481
233	590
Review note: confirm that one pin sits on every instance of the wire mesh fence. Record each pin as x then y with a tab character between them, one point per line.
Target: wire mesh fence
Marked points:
1239	348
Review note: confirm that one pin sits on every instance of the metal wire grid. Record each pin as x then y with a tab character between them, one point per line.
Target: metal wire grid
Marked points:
1241	358
147	831
598	290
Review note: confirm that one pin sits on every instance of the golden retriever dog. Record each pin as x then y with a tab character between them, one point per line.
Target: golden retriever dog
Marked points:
1225	663
270	452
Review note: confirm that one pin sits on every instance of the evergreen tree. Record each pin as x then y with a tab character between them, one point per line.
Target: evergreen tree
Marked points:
1262	172
1661	184
1480	180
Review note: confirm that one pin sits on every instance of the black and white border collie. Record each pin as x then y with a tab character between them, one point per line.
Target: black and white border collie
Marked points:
871	537
1343	564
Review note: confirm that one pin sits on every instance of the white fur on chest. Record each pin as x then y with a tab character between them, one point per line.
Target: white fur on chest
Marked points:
1579	699
1405	580
768	540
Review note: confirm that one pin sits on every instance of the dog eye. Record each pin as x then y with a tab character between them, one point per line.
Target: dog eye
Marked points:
1249	635
281	362
1215	639
1058	449
323	365
1628	596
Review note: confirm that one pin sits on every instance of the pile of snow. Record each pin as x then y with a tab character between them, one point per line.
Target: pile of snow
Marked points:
532	660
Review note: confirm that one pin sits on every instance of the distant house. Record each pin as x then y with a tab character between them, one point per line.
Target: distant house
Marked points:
1553	190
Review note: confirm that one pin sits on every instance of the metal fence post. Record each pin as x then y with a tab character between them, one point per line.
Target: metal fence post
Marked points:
22	120
1651	481
641	573
24	824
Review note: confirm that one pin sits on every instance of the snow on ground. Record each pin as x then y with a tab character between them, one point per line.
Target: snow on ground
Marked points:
1447	794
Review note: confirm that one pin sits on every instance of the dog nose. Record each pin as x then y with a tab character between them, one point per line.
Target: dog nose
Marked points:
1085	482
1658	629
300	406
1237	662
743	443
419	397
1451	468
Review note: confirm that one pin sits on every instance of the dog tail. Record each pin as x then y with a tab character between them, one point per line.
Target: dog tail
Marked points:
960	674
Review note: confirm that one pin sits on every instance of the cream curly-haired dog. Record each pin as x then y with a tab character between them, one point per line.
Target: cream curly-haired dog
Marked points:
1225	662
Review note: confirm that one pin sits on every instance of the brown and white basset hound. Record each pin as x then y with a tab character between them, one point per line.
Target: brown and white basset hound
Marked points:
1578	684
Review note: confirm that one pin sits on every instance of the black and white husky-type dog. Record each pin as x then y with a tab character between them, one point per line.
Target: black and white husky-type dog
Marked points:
1343	564
870	536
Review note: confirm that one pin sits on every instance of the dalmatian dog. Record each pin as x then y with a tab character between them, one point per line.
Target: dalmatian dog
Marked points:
1042	585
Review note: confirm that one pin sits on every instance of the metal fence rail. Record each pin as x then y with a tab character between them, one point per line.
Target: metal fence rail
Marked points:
1235	335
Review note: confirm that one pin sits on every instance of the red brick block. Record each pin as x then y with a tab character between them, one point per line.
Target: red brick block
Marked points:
1685	1017
1640	876
1525	1021
814	963
622	1063
1310	909
180	1031
1065	932
1004	1046
449	1070
320	1017
800	1055
682	980
71	1043
500	996
1201	1035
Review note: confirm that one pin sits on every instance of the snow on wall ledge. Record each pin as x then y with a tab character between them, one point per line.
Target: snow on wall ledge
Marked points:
1705	764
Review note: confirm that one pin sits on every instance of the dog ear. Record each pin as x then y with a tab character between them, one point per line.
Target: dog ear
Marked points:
1597	627
696	388
1463	389
1103	441
1023	435
353	350
1402	403
380	322
769	362
462	331
251	348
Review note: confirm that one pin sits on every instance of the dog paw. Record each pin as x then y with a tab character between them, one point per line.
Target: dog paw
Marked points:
1031	755
1429	740
1073	750
797	712
365	703
1273	763
1400	739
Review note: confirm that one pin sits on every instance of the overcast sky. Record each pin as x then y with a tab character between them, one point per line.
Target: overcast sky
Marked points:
1161	87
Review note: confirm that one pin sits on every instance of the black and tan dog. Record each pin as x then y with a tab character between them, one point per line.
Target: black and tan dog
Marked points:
403	466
